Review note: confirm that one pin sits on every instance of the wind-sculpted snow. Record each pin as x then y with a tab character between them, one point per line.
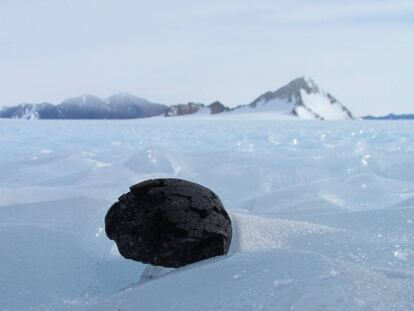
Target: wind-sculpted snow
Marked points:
323	214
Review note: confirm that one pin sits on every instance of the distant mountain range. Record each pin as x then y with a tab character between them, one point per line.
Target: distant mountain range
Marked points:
119	106
391	116
301	98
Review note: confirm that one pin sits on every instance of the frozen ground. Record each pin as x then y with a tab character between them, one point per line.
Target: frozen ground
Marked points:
323	214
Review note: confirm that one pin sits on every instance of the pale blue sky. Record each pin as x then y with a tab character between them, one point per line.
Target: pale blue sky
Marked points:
178	51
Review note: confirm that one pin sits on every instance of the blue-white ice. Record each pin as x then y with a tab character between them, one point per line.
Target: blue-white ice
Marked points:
323	214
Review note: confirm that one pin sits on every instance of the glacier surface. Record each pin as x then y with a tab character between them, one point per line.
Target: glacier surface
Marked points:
323	213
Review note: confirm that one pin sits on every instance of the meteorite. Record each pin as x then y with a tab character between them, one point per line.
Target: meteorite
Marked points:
169	222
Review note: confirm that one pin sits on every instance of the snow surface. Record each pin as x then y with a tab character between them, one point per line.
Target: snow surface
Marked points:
276	105
323	214
322	105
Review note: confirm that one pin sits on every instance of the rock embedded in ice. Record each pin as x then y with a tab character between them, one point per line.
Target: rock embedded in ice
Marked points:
169	222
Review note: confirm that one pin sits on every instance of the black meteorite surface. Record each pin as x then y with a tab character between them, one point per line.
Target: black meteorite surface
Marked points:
169	222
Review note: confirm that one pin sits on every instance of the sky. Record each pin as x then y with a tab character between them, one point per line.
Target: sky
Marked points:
361	51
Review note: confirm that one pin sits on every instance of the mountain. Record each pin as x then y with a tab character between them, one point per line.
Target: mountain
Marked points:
218	107
84	107
30	111
127	106
302	98
119	106
192	108
183	109
391	116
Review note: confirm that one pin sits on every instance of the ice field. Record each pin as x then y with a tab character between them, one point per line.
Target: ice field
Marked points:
323	214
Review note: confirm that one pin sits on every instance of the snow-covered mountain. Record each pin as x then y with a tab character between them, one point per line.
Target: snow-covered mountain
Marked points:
118	106
302	98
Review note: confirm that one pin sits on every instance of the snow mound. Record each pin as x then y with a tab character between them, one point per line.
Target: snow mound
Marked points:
253	233
261	280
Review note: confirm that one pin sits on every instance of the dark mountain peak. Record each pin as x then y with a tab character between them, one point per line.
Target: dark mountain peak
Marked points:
183	109
307	83
290	91
217	107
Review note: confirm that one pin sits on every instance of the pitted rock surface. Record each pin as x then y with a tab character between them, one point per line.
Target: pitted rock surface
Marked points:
169	222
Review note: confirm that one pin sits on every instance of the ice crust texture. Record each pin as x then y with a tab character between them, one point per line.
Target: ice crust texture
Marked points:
323	214
169	222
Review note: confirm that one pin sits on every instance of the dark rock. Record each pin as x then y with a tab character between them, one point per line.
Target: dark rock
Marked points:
191	108
169	222
217	107
183	109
